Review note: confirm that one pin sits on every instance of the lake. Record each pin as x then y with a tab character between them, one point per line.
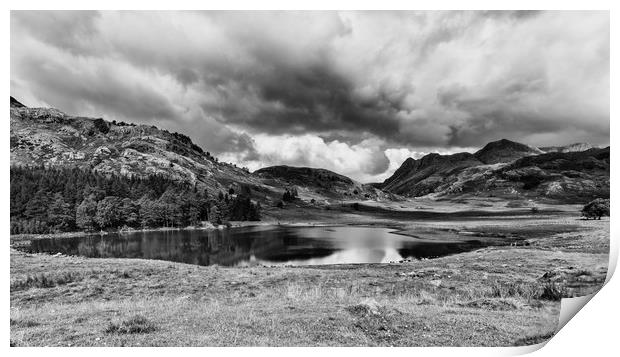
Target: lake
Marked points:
260	245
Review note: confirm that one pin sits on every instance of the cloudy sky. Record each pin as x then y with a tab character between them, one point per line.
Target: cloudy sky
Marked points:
354	92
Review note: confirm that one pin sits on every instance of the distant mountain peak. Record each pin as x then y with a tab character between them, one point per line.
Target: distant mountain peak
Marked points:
569	148
505	150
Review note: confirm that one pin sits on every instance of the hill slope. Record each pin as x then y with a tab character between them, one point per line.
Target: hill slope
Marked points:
314	181
49	137
420	177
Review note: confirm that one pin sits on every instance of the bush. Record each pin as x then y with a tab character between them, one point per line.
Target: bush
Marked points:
135	324
596	209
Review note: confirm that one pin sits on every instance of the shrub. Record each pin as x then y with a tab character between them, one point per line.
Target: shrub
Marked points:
596	209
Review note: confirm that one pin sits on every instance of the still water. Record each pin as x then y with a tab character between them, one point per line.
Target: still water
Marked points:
267	245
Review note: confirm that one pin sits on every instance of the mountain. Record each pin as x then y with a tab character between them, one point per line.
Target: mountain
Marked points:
568	148
420	177
572	177
508	170
504	151
316	181
48	137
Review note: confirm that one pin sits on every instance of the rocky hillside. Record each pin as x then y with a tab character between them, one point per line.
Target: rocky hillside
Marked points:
420	177
49	137
507	170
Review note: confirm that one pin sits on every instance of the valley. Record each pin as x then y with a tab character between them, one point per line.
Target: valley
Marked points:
74	176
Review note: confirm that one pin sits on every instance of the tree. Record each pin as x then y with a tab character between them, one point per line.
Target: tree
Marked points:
215	215
151	213
108	212
290	194
130	211
242	209
596	209
85	214
37	205
60	214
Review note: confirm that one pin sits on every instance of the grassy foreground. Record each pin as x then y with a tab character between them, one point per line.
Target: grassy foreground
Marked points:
496	296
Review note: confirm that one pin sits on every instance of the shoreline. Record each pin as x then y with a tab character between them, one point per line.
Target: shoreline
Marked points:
346	218
510	293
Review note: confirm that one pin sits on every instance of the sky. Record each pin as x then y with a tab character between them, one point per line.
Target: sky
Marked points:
353	92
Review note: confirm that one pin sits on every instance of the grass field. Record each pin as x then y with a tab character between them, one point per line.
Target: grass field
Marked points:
495	296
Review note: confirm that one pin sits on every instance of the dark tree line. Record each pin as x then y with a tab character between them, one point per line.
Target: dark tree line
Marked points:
48	200
290	194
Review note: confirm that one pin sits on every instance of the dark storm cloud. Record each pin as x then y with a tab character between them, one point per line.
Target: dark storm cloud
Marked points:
315	99
359	83
102	89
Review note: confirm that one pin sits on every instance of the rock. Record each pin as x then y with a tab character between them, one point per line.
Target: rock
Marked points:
436	283
368	307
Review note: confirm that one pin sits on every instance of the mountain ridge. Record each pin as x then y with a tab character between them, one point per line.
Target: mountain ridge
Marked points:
506	169
49	137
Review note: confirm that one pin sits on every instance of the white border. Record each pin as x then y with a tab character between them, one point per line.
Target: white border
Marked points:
592	331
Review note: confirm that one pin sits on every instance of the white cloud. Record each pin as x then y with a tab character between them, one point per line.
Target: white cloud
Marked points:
360	162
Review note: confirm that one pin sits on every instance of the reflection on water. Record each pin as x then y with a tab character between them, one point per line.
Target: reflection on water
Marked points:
257	245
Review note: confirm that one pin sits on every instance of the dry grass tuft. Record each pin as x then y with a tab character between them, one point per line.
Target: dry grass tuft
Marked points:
135	324
45	280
